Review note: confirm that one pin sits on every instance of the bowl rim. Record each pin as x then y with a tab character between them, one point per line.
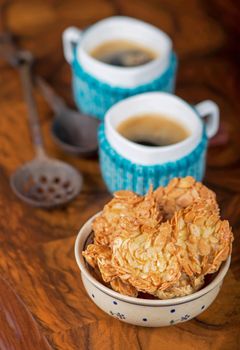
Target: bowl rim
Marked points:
139	301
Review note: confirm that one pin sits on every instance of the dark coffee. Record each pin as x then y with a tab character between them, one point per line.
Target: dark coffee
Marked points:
123	53
153	130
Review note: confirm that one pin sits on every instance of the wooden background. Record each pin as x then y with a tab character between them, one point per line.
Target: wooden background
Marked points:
42	301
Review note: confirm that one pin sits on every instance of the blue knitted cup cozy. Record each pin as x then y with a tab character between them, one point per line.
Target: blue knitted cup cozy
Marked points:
95	97
121	174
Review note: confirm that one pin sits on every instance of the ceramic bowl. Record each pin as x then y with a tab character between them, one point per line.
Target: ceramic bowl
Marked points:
144	312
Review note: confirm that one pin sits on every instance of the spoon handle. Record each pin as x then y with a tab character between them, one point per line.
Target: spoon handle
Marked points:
25	73
55	101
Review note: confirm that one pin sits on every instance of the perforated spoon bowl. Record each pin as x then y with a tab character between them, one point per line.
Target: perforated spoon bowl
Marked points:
43	182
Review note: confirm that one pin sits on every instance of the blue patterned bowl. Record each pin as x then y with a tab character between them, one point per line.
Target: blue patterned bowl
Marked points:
143	312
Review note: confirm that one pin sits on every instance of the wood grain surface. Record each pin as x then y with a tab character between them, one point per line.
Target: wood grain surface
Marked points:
43	304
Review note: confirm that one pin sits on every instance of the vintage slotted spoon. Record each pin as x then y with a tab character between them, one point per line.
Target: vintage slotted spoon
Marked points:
43	182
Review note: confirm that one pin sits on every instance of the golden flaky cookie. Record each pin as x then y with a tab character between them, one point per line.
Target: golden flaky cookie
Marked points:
194	242
120	206
203	241
99	258
163	243
126	212
148	261
182	192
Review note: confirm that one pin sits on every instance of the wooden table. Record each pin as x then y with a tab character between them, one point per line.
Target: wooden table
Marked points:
42	301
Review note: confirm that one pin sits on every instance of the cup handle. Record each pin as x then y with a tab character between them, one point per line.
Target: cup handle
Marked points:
71	37
209	109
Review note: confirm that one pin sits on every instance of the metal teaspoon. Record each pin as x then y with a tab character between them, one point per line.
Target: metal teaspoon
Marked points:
73	131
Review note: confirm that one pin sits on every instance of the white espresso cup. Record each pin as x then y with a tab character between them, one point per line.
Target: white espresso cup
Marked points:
170	106
119	28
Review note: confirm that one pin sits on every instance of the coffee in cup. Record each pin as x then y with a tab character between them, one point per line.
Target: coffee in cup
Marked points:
121	42
116	58
123	53
128	163
153	130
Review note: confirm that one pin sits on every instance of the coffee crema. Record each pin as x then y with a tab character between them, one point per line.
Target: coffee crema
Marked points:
123	53
153	130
